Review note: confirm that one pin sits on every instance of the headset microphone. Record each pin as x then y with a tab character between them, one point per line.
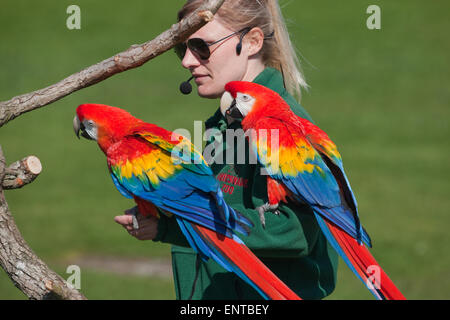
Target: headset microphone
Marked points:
185	87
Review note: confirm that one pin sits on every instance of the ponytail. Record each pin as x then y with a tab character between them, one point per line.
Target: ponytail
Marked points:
285	58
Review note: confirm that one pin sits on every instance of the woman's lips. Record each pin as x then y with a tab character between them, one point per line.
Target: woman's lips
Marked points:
199	78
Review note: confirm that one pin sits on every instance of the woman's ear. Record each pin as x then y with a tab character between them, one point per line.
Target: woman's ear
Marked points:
254	40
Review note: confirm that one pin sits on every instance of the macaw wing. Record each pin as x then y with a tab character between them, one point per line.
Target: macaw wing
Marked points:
119	186
183	152
143	169
180	148
300	167
287	156
330	154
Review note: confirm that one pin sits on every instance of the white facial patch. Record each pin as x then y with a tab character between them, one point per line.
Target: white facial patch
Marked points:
244	102
91	129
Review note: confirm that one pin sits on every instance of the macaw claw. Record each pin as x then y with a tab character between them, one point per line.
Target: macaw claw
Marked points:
264	208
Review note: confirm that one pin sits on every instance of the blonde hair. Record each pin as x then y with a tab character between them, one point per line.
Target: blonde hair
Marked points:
277	51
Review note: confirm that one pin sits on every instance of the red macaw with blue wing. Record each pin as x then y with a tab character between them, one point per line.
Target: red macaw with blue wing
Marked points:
305	166
165	174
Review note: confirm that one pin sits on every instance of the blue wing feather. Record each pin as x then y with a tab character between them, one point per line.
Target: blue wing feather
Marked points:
318	187
119	187
190	191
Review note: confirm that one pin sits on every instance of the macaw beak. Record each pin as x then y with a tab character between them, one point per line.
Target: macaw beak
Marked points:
233	113
77	126
229	109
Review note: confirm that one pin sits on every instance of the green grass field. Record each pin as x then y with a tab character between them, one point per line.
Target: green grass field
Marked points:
382	96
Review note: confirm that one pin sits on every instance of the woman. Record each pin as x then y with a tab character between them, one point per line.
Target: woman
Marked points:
247	40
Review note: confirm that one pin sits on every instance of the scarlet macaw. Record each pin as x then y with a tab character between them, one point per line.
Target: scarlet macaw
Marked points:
305	167
151	165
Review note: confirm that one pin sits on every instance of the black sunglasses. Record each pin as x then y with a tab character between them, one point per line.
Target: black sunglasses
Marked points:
201	47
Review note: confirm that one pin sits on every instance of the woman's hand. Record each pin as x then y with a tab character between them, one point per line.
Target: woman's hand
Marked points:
148	226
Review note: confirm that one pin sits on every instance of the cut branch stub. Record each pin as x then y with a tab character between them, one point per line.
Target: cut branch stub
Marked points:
22	172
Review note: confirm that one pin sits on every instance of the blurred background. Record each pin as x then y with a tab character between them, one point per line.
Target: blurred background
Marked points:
381	95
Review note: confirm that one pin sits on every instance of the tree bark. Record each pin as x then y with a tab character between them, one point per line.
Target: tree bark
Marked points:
134	57
29	273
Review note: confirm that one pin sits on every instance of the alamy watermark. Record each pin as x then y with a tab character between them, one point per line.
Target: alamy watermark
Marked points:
74	280
228	147
374	20
74	19
374	279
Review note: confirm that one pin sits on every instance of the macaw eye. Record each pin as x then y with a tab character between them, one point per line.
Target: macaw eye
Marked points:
90	122
245	98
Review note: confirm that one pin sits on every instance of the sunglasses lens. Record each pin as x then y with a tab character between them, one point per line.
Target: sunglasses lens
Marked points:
200	47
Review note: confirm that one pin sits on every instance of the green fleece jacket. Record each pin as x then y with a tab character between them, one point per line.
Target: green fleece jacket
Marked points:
291	244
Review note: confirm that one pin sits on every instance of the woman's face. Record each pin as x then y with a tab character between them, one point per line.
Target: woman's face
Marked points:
223	65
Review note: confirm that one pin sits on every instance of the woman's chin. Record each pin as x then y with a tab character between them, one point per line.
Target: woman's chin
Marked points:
209	93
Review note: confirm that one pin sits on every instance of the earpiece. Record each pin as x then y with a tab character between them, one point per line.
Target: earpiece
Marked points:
239	45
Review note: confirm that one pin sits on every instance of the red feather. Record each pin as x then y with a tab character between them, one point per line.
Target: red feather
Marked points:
146	208
253	268
363	261
276	192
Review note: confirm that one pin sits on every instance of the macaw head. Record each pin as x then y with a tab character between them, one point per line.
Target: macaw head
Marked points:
244	99
103	123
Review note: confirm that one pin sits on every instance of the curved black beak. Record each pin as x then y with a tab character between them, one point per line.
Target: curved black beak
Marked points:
233	113
79	126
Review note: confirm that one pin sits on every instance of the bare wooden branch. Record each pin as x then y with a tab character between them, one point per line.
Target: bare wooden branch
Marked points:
22	172
28	273
134	57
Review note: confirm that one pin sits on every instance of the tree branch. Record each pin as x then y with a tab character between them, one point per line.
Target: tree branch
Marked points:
28	273
134	57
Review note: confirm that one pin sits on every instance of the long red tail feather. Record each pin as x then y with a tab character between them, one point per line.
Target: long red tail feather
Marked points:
366	265
255	270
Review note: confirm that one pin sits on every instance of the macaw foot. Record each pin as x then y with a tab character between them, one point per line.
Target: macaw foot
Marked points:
264	208
133	212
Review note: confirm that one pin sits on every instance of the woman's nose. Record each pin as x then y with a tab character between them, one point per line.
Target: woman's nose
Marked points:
190	60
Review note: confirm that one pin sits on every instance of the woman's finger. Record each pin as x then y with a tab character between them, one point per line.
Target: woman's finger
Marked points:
124	220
